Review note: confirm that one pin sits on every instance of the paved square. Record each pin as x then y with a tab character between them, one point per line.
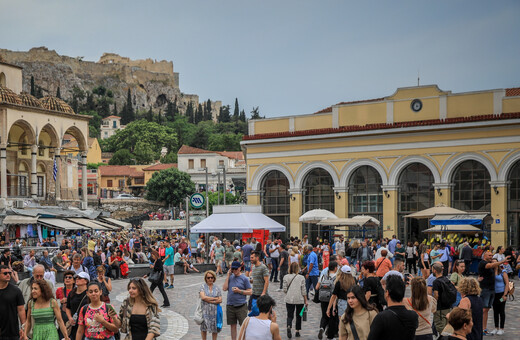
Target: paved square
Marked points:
177	320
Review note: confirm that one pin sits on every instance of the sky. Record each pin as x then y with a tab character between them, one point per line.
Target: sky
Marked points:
287	57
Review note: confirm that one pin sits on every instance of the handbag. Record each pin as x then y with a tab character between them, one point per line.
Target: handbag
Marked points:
155	277
198	317
242	333
220	317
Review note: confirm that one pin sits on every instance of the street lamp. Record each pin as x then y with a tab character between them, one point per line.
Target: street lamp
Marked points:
223	167
207	202
218	185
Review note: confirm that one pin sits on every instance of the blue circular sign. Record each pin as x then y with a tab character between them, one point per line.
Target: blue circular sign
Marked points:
197	200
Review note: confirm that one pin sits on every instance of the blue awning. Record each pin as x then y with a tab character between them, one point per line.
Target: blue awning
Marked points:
471	219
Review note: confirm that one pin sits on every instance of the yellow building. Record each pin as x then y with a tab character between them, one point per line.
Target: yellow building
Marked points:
31	138
71	149
388	157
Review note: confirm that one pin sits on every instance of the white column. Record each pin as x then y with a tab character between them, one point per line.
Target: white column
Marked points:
57	185
3	170
34	149
84	178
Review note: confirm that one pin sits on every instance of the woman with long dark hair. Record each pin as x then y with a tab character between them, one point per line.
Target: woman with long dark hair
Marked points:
139	312
424	305
358	317
374	292
338	301
157	267
76	299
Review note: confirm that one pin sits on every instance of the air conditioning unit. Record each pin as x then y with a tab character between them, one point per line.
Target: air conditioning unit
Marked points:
18	204
83	205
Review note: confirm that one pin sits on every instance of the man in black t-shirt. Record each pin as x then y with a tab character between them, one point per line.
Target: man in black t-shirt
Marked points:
438	287
283	268
486	276
12	307
396	322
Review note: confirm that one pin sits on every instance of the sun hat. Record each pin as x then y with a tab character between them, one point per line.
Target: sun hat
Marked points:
83	275
346	269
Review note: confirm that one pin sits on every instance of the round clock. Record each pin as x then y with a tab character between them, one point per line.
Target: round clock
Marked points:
416	105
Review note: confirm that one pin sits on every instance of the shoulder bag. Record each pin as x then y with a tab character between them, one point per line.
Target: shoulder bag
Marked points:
354	331
242	334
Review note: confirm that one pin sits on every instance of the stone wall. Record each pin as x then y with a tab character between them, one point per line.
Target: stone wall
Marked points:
123	209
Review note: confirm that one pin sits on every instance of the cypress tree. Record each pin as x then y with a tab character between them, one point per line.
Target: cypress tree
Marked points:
199	116
189	113
115	109
224	116
33	90
236	112
242	116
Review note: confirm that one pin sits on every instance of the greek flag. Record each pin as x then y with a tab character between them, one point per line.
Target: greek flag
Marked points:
54	170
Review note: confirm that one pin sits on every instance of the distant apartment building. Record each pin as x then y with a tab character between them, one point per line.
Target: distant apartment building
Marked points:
110	125
194	161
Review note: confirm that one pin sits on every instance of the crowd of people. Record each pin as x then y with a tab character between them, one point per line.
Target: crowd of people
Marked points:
359	286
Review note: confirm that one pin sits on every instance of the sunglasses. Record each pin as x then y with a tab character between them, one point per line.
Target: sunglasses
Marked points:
6	273
68	277
211	277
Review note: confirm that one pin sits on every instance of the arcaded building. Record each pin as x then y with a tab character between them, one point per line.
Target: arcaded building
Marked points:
31	137
388	157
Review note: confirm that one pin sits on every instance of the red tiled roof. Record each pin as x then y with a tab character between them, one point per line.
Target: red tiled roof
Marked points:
159	167
380	126
112	117
119	170
514	91
191	150
232	154
329	109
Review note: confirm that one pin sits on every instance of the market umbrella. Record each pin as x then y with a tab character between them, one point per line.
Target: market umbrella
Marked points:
316	215
362	220
461	228
438	209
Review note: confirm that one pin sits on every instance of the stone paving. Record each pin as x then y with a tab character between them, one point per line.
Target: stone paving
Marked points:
177	323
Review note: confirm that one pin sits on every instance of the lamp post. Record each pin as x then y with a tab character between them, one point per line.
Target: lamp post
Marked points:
207	203
223	167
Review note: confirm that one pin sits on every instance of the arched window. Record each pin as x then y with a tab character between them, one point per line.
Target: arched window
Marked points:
471	191
513	218
365	198
3	81
275	198
416	193
318	194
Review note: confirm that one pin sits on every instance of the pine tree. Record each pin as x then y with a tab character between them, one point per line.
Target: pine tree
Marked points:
169	114
58	93
90	105
149	115
255	114
207	110
127	114
199	115
236	112
242	116
115	109
33	90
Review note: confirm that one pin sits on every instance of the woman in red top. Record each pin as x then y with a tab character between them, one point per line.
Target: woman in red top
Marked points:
63	292
383	265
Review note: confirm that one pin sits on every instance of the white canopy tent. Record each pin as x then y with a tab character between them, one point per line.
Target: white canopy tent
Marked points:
357	221
237	219
164	224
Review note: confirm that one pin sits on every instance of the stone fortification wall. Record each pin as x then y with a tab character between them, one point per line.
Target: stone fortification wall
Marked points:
152	83
122	209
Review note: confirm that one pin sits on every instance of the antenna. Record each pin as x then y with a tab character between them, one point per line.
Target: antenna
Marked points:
418	77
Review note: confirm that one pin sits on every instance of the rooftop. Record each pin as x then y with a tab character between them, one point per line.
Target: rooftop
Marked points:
119	171
159	167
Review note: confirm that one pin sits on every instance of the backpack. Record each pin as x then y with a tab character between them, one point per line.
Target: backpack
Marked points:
449	292
326	288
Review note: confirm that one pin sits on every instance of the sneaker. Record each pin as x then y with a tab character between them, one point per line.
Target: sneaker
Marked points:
488	333
163	306
320	333
500	332
289	334
169	287
279	289
493	332
166	285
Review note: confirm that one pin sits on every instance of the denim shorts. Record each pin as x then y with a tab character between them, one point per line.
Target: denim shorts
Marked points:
487	296
247	265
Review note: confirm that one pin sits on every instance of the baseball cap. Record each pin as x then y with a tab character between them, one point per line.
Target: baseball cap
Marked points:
346	269
82	275
236	265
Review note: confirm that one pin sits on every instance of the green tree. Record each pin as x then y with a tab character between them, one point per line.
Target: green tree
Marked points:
149	115
115	113
199	114
224	142
127	114
236	112
224	116
144	153
255	113
201	137
171	111
94	124
170	186
189	113
171	157
58	93
213	199
184	130
242	116
33	90
122	157
148	134
92	166
207	111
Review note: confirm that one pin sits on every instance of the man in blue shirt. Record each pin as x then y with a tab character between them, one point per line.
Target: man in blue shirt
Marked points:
169	264
246	256
238	287
391	246
313	270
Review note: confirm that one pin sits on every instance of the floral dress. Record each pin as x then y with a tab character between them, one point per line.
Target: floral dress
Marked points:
209	310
